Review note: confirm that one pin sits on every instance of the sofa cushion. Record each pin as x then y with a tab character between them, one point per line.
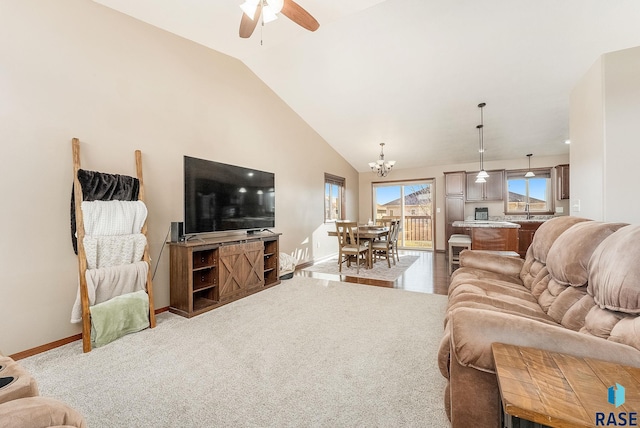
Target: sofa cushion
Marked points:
601	322
488	287
480	265
565	297
625	331
536	257
614	271
498	305
569	256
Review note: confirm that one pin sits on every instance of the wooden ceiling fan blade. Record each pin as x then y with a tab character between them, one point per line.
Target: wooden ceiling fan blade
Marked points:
297	14
247	25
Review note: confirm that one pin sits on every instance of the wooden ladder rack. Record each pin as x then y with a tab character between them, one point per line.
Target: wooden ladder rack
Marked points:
82	257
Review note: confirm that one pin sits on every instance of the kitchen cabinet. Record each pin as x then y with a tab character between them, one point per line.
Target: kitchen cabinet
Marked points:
492	190
525	235
494	239
562	182
454	200
490	235
453	211
454	183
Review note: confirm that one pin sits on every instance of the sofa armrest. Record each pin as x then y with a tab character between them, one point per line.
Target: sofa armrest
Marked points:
23	385
504	265
472	332
39	412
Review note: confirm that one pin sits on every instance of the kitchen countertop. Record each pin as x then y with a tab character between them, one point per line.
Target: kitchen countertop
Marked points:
486	223
523	219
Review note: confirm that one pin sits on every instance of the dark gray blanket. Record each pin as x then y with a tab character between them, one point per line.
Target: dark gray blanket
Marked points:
99	186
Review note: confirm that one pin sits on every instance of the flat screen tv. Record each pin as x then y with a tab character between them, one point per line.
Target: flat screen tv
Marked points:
220	197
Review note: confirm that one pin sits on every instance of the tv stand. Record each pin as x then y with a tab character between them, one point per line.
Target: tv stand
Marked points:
259	231
212	272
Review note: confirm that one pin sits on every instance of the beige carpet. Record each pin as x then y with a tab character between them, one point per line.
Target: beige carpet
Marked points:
380	268
306	353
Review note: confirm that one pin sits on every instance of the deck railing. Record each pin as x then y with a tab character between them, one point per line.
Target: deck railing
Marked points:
417	230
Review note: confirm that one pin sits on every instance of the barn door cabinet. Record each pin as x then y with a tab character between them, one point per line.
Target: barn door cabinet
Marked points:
208	273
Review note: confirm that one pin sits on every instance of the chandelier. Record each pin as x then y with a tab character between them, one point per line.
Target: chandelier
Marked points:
381	167
482	175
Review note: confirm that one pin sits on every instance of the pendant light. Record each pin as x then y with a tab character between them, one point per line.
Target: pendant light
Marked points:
482	175
529	173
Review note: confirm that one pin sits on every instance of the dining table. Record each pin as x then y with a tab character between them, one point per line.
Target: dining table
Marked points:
368	233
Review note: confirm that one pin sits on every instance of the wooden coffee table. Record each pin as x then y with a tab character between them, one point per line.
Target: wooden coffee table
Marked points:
560	390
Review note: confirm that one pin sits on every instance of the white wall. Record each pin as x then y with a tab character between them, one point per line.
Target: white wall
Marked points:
73	68
605	107
586	130
622	135
437	173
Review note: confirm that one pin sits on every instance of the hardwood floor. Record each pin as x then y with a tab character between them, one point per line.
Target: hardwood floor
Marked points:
428	274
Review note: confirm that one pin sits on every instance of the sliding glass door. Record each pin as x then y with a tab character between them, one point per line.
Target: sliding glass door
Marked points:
411	203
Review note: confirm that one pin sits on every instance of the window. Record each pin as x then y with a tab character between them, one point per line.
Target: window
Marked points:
334	198
534	195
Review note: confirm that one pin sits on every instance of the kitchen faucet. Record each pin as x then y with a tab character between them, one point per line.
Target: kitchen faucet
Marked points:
528	211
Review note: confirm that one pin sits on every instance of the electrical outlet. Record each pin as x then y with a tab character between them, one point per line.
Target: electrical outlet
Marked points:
560	210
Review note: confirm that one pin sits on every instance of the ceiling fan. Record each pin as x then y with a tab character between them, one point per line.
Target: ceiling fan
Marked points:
252	9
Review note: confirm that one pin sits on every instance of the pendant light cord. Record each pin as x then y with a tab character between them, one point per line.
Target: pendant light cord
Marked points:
482	136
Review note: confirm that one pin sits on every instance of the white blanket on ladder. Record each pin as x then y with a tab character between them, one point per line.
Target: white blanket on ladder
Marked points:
106	283
107	251
113	217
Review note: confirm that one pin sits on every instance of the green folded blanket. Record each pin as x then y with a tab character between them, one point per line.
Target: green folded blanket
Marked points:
119	316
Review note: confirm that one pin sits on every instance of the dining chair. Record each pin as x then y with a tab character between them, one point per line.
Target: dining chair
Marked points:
349	244
385	247
394	231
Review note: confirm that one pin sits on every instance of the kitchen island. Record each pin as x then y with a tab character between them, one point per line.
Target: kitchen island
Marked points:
526	232
489	235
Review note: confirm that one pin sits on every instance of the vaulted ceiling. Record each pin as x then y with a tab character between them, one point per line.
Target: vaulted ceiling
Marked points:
410	73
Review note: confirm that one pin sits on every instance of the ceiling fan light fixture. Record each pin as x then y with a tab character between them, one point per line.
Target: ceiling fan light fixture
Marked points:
268	15
252	10
249	7
276	5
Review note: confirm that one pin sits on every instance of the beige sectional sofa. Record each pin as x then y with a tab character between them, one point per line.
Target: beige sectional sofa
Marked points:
577	291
